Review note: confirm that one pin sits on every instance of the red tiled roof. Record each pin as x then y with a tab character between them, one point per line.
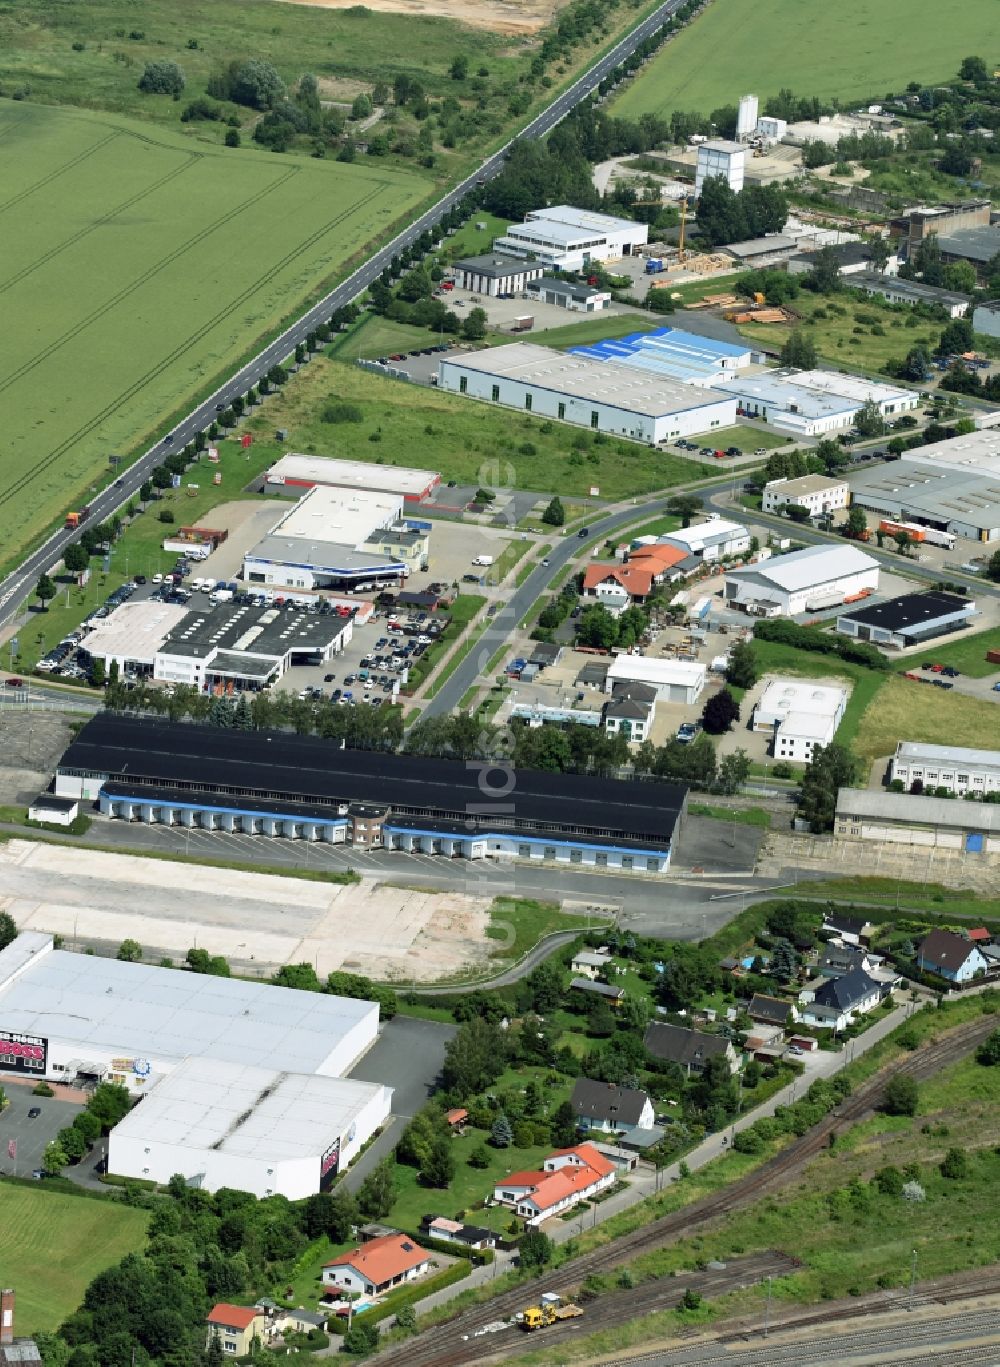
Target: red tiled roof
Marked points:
549	1188
634	579
522	1179
601	1165
456	1116
980	933
235	1316
664	557
379	1260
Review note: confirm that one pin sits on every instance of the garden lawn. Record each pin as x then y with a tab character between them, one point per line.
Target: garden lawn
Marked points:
137	266
918	712
967	654
866	685
53	1245
745	816
851	51
471	442
518	923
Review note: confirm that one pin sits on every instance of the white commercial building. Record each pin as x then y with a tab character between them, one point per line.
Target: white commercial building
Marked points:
262	1130
603	396
569	239
953	486
131	635
812	402
720	158
674	680
804	581
818	493
946	766
800	715
336	538
710	540
295	471
249	1065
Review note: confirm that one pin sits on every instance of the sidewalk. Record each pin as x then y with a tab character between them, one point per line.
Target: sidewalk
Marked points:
646	1181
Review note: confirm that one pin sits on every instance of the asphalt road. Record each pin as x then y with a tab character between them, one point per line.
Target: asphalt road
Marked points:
18	585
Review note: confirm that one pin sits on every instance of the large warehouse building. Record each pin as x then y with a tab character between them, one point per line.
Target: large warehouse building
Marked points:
672	352
298	473
909	620
953	485
602	396
568	239
253	1094
804	581
332	539
306	788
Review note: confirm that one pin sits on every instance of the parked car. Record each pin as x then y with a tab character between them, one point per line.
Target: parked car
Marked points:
686	732
34	1112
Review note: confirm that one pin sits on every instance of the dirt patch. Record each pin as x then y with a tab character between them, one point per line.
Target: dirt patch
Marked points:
499	16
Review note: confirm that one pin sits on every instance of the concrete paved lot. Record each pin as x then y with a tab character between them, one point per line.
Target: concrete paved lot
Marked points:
257	921
30	1136
31	740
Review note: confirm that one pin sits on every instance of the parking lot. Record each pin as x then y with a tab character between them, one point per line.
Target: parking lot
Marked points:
30	1135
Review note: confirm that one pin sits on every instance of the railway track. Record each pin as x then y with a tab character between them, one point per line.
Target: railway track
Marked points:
456	1341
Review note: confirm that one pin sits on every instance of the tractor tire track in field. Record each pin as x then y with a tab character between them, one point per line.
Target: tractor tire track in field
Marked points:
46	257
112	302
54	175
40	465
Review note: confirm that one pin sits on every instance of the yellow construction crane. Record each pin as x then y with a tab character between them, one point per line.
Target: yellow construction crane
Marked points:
680	240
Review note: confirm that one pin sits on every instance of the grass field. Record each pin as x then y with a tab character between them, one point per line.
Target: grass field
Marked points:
52	1246
848	51
467	441
851	333
967	654
905	708
373	336
136	265
944	903
866	684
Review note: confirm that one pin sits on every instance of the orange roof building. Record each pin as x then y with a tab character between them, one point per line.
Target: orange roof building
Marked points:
568	1177
235	1326
378	1265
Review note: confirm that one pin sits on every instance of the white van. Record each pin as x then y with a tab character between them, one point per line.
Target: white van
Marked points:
483	560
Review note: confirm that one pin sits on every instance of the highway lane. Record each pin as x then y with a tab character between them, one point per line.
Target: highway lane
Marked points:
18	585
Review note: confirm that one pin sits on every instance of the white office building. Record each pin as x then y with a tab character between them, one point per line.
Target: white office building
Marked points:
603	396
568	239
721	158
800	715
946	766
674	680
622	236
817	493
710	540
253	1094
804	581
131	635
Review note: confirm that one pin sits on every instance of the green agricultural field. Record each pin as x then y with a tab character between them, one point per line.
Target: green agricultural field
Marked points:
849	51
136	266
54	1245
473	443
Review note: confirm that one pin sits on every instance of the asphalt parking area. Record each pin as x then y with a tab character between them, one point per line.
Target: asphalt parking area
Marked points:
30	1137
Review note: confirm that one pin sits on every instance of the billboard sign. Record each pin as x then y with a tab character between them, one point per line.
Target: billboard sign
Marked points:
329	1164
23	1053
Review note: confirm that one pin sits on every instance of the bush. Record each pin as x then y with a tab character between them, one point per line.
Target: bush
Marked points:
955	1165
335	411
165	515
162	78
901	1096
42	1089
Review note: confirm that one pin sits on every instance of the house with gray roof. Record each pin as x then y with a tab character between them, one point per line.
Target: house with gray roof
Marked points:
837	1003
691	1049
606	1107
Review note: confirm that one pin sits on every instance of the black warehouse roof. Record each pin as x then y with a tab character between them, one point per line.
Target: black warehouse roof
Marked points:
911	610
279	765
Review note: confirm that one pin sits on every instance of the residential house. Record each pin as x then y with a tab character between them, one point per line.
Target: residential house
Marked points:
614	996
617	587
454	1232
377	1266
456	1119
568	1177
300	1321
951	956
771	1011
235	1326
590	963
691	1049
851	930
838	1001
836	960
629	718
610	1108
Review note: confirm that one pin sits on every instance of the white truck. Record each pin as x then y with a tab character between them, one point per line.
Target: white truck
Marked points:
483	560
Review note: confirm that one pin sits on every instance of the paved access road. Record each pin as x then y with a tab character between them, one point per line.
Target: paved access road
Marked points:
19	585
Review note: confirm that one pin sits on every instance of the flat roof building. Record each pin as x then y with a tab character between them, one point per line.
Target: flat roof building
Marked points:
804	581
909	620
564	294
757	252
246	648
624	235
262	1130
335	539
723	159
294	471
817	493
897	291
956	490
131	635
495	275
674	680
812	402
800	715
927	822
955	767
569	239
601	396
304	787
